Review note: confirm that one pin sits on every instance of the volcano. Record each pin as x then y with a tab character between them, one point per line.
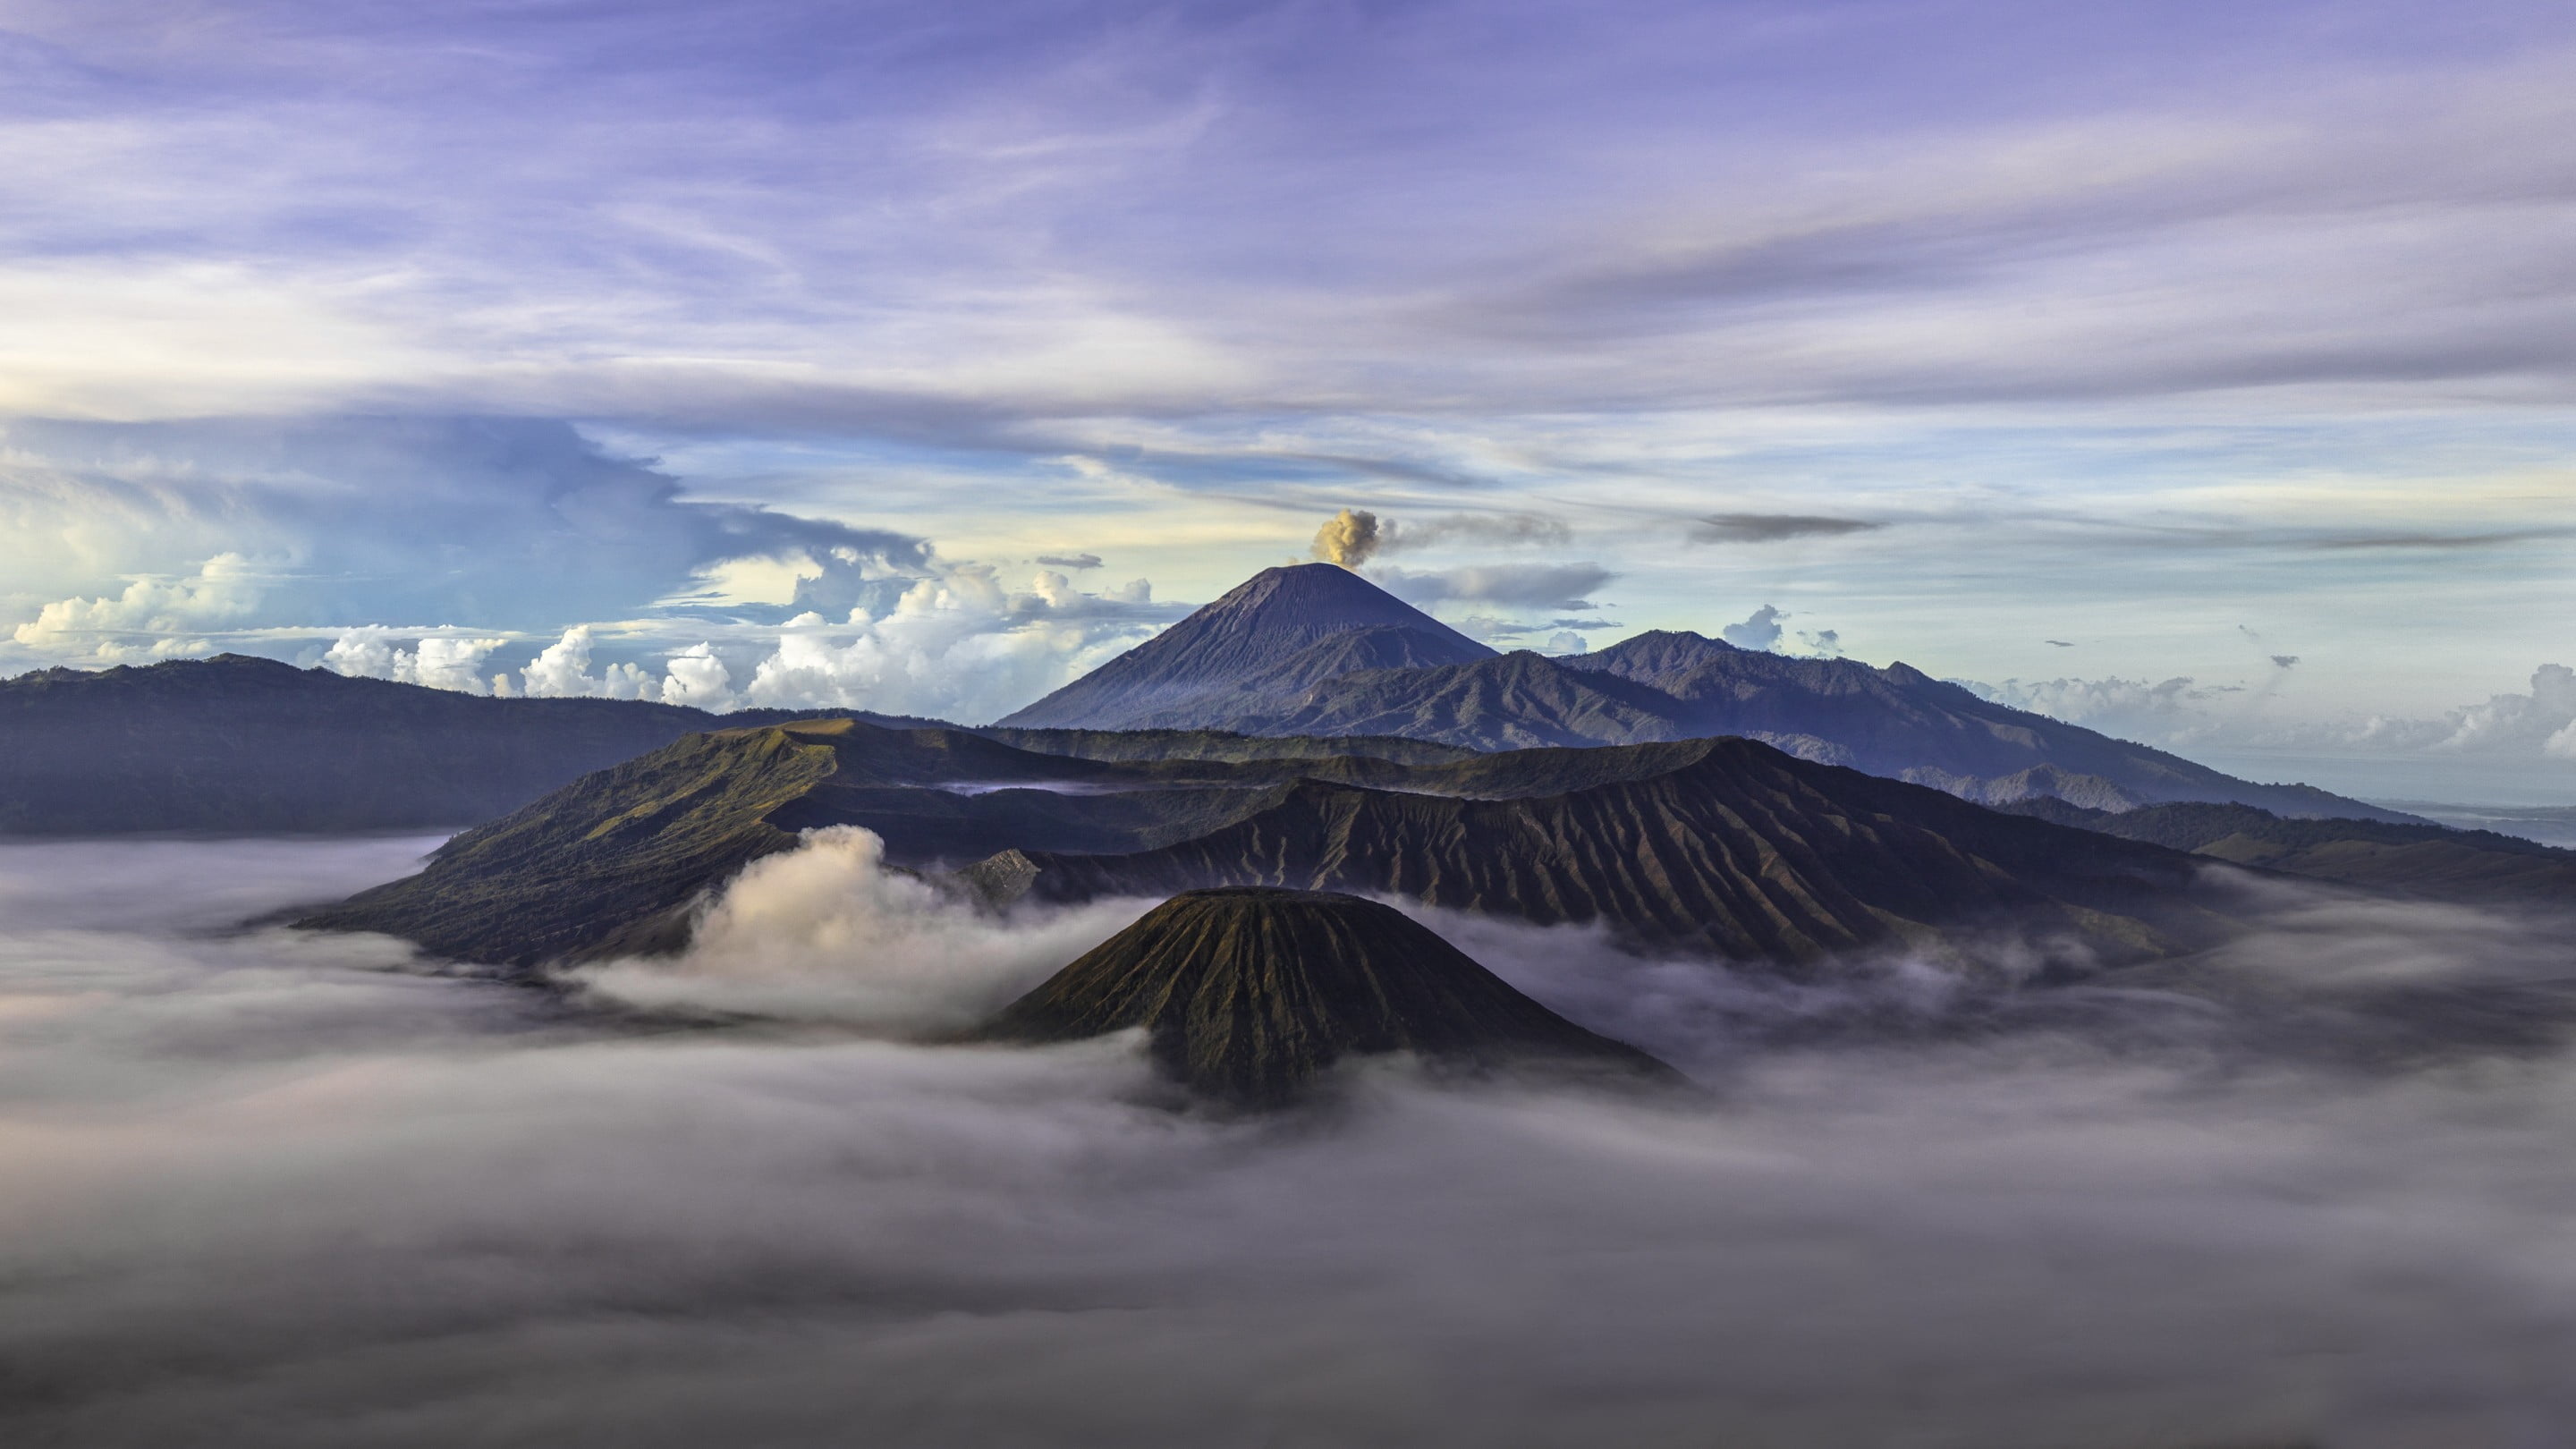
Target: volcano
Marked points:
1248	994
1280	631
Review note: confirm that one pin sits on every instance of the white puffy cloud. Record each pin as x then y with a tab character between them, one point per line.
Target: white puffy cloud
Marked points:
2181	711
440	661
698	679
960	646
827	932
2166	710
155	616
488	524
562	671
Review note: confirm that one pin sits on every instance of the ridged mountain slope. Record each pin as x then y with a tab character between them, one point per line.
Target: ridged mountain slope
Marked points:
1253	630
612	863
1249	994
1736	850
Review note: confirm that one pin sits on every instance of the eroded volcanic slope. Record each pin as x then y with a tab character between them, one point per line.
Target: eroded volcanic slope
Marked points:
1249	994
1734	849
612	862
1725	847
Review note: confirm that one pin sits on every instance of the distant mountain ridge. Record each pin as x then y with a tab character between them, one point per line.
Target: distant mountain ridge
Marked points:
1362	667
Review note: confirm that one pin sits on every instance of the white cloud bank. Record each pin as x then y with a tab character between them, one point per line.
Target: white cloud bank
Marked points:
825	932
2181	712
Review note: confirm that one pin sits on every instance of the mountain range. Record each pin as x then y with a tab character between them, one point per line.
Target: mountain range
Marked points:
1259	661
1724	848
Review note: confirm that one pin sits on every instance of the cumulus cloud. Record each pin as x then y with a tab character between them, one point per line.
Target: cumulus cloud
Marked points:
1759	630
480	523
1349	538
562	671
2539	724
1773	527
2296	1200
153	617
2169	711
827	932
1529	586
960	646
440	661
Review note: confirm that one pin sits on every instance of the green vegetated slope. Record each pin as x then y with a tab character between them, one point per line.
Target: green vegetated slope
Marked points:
1249	995
1733	849
2477	866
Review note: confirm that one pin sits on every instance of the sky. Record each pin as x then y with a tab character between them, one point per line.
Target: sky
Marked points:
2199	372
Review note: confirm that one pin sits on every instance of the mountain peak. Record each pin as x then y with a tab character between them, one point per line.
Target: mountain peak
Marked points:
1259	623
1249	993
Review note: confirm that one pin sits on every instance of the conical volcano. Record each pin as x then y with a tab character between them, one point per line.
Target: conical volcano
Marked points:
1253	633
1249	993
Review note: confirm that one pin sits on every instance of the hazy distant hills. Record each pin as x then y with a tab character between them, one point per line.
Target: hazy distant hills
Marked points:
240	745
1316	650
1250	995
2433	861
1723	847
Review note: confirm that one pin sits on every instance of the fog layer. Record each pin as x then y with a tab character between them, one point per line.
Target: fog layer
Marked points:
280	1190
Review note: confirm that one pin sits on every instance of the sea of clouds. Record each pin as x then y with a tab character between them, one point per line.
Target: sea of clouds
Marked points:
274	1189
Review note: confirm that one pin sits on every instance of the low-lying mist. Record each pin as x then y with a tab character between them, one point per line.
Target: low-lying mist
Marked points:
273	1189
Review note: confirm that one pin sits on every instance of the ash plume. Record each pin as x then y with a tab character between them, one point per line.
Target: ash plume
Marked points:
1350	539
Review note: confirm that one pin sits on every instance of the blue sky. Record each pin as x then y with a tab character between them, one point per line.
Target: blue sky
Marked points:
2196	337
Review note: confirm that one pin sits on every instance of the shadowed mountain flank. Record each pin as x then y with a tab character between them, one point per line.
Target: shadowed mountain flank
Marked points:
1734	849
1247	995
1257	632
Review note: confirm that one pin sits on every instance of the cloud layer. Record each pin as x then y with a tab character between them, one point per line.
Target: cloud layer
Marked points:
279	1191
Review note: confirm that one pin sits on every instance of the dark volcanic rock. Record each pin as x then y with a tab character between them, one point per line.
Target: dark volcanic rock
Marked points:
1729	848
1248	994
